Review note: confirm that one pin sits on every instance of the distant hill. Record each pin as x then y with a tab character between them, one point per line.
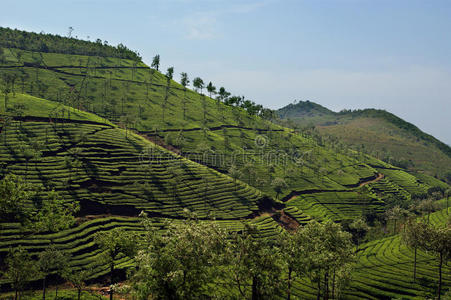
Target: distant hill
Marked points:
376	132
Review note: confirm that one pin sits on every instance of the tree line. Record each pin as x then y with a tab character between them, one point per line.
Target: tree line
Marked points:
194	259
220	95
52	43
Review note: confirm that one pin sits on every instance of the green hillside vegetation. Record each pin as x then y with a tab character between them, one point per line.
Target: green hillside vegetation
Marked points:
95	125
376	132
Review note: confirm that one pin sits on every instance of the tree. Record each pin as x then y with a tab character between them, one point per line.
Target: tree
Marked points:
169	74
359	229
438	241
55	214
182	263
257	261
211	89
427	206
14	195
77	278
292	256
198	83
223	94
447	194
235	174
126	120
156	62
20	269
278	184
115	243
51	260
184	81
413	236
395	214
327	256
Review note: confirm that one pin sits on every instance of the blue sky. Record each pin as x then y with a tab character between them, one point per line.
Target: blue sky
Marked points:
393	55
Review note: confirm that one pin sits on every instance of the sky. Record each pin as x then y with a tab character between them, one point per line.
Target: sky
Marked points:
343	54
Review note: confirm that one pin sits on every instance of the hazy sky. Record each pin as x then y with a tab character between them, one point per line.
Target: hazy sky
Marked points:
393	55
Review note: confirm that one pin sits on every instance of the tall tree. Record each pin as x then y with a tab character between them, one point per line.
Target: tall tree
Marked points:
255	261
211	89
327	256
114	243
77	278
185	82
156	62
20	269
198	83
413	235
182	263
51	260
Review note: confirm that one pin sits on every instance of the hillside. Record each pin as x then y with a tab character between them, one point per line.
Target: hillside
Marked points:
101	128
376	132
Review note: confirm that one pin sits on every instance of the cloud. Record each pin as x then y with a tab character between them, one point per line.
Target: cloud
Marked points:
201	25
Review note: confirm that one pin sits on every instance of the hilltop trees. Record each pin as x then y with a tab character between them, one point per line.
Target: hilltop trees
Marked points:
211	89
14	38
198	84
185	82
156	62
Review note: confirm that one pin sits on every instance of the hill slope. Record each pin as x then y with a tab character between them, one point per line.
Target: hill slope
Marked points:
376	132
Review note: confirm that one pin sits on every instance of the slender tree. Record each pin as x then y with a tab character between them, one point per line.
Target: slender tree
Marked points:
413	235
20	269
185	82
156	62
114	243
198	83
51	260
211	89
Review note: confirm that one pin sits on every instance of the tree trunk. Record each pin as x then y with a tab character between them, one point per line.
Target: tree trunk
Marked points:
254	289
79	294
326	287
15	293
111	280
333	286
290	270
43	288
439	289
415	265
447	205
318	294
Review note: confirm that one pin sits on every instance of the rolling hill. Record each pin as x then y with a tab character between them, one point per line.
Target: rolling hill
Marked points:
376	132
104	129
